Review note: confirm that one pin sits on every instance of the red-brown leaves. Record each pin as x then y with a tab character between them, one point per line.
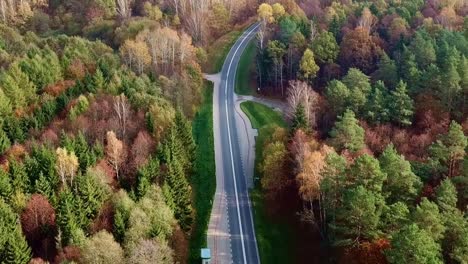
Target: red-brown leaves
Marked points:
38	223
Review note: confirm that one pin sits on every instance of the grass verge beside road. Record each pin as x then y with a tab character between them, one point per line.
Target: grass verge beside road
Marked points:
218	51
274	237
204	178
245	70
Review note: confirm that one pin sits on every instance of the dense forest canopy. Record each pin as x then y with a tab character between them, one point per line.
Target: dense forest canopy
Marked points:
97	99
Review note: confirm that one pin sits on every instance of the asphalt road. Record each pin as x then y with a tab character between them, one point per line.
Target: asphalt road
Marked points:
241	228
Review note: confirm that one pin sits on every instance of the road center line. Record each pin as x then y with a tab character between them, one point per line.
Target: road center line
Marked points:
230	143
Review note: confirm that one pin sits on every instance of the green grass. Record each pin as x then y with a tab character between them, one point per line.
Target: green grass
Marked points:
245	70
274	237
204	178
218	51
261	115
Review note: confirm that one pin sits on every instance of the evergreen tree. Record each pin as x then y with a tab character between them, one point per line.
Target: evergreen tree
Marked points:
387	71
359	86
183	130
13	246
5	107
366	172
347	134
6	190
180	192
448	151
401	185
423	50
455	242
428	218
410	71
401	105
66	220
413	245
91	194
4	141
299	120
44	187
446	196
394	217
14	93
451	80
359	216
376	108
19	177
337	95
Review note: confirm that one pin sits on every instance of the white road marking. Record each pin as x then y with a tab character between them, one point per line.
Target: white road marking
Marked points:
230	145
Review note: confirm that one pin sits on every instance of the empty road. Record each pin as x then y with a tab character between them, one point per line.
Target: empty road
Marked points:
231	233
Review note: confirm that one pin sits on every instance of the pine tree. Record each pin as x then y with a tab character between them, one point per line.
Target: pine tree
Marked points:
376	108
427	216
17	250
6	190
401	105
446	196
365	171
358	217
19	177
410	71
5	107
394	217
413	245
299	120
448	151
4	142
183	130
347	134
337	95
44	187
181	193
12	90
451	80
387	71
359	86
13	246
401	185
66	219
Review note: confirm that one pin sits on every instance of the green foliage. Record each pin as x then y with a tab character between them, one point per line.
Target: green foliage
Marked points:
446	195
376	109
43	68
401	106
307	66
401	185
123	206
359	216
325	47
448	151
366	172
337	95
183	130
394	217
91	192
299	120
359	86
4	141
6	189
147	175
80	107
413	245
387	71
428	218
13	246
19	176
347	134
102	248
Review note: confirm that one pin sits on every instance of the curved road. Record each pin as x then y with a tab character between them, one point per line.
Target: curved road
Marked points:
231	233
